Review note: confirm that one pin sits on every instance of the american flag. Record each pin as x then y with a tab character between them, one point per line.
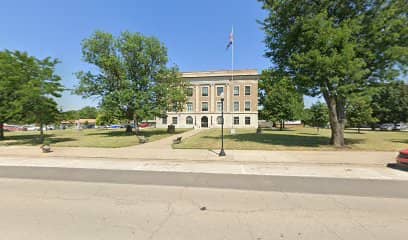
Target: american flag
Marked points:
231	39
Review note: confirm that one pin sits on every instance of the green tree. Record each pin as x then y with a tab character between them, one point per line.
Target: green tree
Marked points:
359	112
133	81
40	89
390	103
337	48
9	83
319	116
279	98
88	112
28	86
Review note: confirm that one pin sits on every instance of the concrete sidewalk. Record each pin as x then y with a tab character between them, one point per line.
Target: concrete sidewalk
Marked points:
214	167
158	152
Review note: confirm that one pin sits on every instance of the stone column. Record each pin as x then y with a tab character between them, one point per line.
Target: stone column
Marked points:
197	99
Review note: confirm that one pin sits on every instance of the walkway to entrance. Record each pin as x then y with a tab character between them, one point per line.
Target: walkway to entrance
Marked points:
204	122
166	143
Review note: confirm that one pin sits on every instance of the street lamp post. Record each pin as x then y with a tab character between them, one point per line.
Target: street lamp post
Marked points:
222	152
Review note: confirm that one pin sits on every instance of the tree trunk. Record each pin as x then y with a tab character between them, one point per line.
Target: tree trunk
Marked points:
1	131
135	122
318	130
336	117
41	132
283	123
280	126
358	130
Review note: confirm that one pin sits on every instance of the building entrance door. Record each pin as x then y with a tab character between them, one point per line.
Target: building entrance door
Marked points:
204	122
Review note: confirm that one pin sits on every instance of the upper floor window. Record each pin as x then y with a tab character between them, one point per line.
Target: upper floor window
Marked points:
189	91
189	107
236	90
247	106
204	91
204	106
236	106
220	90
247	90
219	106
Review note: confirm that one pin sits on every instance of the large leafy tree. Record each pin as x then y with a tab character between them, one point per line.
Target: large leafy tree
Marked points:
38	92
132	79
335	48
390	103
28	88
279	98
9	84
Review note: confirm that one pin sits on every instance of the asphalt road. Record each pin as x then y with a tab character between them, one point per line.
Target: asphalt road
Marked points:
315	185
48	209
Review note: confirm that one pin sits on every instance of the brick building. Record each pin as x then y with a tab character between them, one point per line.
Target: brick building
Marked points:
203	106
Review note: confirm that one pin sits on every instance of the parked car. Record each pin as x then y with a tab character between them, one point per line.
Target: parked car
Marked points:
32	128
400	126
387	127
115	126
402	157
13	128
143	125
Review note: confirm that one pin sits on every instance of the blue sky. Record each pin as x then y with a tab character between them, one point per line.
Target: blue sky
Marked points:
195	32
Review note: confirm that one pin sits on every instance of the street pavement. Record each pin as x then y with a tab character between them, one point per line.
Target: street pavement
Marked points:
43	209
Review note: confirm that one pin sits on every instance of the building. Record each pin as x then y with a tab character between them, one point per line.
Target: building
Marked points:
203	105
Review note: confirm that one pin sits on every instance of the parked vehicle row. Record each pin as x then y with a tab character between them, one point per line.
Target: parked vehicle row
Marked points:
395	127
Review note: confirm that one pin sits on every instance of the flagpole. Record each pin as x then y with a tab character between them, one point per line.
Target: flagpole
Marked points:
232	55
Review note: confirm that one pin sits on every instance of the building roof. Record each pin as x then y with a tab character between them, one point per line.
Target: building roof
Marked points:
83	121
220	73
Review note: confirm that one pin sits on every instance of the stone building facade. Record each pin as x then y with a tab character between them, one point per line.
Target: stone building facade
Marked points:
203	105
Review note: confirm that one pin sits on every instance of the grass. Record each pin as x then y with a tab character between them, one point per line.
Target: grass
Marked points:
85	138
296	139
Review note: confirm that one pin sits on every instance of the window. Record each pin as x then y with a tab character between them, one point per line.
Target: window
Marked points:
247	90
189	91
236	106
164	120
219	106
220	90
174	120
247	106
236	90
204	91
247	120
204	106
236	120
189	107
174	107
219	120
189	120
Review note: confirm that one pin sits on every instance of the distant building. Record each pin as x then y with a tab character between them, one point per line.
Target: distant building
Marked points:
85	123
203	106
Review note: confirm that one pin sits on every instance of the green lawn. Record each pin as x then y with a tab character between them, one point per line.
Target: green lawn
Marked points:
299	139
85	138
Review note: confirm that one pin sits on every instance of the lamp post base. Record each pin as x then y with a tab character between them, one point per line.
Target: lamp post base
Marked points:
222	153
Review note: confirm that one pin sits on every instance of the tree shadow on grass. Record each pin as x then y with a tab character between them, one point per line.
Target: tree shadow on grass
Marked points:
400	141
31	139
149	133
311	141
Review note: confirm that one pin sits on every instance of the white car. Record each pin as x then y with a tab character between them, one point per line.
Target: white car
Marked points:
387	127
400	127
